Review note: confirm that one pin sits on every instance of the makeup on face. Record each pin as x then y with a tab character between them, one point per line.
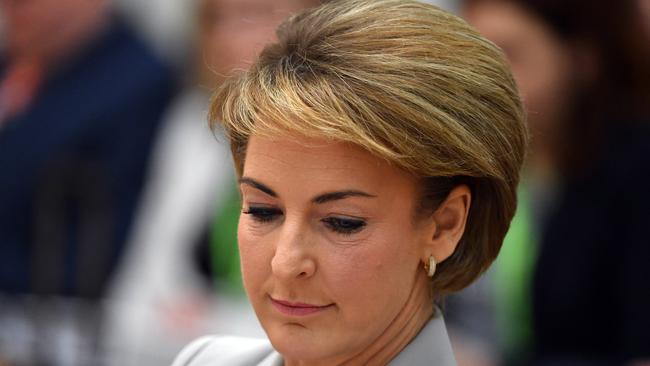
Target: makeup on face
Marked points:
299	309
338	223
327	244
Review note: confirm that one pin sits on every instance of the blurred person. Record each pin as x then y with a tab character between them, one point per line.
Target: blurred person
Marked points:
583	68
181	248
80	99
645	10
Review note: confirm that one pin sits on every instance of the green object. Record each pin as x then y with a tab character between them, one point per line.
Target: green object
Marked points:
223	244
513	277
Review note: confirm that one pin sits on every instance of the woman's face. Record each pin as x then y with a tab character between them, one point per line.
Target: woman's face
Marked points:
329	248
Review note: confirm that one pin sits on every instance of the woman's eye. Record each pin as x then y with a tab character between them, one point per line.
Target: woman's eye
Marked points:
263	214
344	225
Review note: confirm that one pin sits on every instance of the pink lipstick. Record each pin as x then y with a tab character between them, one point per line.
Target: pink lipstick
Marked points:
298	308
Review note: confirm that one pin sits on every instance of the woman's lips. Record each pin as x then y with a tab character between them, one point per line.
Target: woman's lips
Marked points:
298	308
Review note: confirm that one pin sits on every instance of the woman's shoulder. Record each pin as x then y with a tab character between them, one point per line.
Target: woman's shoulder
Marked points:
227	350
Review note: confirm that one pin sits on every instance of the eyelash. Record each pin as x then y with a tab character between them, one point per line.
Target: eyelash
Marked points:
263	214
340	225
344	226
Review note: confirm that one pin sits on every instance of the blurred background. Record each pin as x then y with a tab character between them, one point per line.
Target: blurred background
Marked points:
118	205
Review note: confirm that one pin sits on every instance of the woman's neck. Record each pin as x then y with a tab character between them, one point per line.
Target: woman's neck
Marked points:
415	313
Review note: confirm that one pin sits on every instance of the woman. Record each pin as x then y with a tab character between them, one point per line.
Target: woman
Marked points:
378	146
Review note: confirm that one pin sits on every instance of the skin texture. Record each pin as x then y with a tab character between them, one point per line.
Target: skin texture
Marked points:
369	276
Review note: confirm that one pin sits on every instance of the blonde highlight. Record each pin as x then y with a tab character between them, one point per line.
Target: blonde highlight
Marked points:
409	83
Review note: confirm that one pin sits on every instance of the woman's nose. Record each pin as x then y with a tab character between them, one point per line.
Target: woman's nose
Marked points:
293	259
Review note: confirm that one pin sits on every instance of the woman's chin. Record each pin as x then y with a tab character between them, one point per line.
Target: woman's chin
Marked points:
298	343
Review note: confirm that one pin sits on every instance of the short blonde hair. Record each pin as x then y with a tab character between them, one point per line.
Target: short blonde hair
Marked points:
411	84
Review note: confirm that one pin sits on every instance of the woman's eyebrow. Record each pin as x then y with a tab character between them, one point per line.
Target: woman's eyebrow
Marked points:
320	199
339	195
257	185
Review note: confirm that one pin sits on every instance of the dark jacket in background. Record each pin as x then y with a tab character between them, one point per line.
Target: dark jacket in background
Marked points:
72	165
592	284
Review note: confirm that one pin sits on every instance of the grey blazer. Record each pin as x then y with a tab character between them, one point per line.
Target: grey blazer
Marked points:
431	347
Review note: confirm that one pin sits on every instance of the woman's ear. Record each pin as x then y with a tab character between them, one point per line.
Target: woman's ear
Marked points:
448	224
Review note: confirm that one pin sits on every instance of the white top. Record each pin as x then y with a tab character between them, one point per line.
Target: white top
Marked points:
431	347
157	303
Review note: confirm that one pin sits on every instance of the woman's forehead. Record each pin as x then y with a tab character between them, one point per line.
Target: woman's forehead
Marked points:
301	160
310	152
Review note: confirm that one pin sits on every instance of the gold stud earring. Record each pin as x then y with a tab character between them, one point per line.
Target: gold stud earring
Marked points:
430	267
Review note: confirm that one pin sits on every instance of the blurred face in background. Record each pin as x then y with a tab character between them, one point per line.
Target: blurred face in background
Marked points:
233	32
541	63
47	29
645	11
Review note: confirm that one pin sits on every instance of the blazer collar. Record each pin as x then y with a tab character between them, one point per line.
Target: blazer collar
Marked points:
273	359
430	347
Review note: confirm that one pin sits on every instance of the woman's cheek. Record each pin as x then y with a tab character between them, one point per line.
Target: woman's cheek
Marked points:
253	250
350	269
370	265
